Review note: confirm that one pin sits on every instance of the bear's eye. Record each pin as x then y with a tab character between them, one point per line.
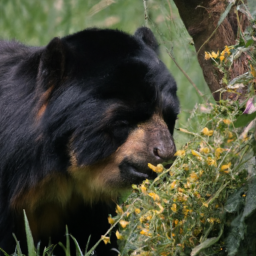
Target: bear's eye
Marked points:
122	123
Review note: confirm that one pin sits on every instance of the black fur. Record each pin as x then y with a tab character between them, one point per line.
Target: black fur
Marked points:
51	95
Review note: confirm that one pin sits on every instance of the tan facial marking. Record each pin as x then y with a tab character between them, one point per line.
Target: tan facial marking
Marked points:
100	180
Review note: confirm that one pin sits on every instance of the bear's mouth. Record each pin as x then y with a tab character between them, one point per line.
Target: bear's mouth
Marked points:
135	173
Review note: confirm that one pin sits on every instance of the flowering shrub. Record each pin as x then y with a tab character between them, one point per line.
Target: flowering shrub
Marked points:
183	210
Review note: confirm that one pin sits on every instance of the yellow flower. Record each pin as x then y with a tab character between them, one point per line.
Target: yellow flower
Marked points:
211	162
223	55
180	153
222	58
146	181
211	220
106	239
148	215
166	201
193	176
143	189
137	210
207	132
160	207
205	150
182	197
119	210
142	218
215	55
185	210
195	153
205	204
174	208
158	169
218	151
154	196
176	222
230	135
181	190
185	167
198	196
111	221
188	185
123	223
226	51
207	55
172	186
118	235
227	121
225	167
145	232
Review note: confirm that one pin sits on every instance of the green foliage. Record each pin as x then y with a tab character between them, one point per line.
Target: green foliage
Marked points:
244	119
244	210
30	240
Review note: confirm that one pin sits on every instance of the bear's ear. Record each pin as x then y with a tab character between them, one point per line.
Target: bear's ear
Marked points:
147	36
52	63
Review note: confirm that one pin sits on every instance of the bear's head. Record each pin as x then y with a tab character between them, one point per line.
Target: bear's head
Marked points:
110	104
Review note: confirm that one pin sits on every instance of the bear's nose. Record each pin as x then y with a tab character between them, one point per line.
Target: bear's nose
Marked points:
163	147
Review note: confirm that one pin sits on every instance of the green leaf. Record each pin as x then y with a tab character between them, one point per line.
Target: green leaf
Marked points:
5	253
238	229
249	43
235	201
87	244
225	14
235	236
78	249
67	251
18	249
244	119
250	205
207	243
30	240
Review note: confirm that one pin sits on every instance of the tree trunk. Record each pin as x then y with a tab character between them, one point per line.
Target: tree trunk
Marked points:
201	18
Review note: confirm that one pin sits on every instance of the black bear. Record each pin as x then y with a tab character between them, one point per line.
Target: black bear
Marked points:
80	120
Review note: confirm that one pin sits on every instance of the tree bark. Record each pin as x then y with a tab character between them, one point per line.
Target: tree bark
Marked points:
201	18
